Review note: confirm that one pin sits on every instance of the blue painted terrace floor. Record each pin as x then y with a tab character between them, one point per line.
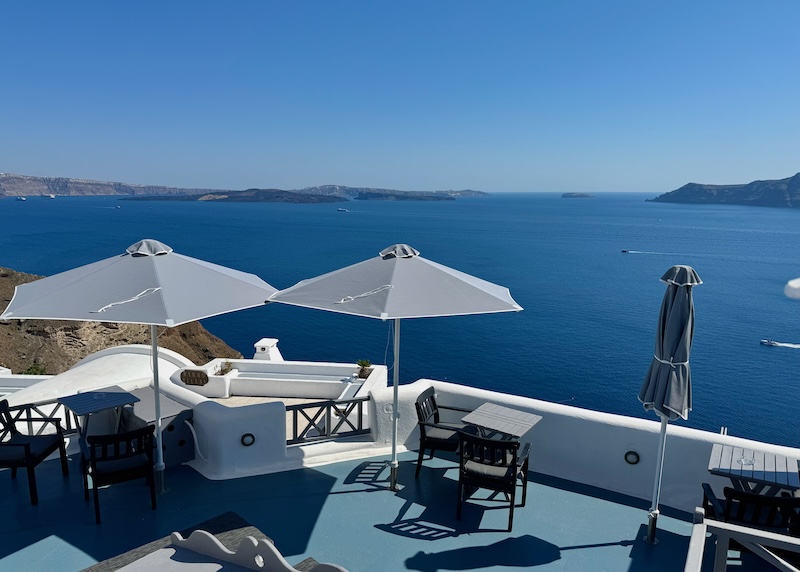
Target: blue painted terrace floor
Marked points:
343	513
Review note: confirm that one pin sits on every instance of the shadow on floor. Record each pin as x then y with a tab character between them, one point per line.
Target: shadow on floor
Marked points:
522	551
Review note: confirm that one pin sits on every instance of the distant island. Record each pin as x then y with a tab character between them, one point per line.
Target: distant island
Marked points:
783	193
577	196
12	185
247	196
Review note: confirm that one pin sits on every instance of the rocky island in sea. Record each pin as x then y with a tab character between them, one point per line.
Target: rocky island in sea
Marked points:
12	185
783	193
247	196
577	196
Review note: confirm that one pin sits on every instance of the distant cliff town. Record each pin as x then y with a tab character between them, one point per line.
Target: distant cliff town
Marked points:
784	193
12	185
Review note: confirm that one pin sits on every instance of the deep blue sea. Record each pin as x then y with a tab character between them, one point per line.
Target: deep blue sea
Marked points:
586	335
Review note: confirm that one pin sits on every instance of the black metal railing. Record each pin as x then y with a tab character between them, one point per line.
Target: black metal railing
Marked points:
326	420
30	415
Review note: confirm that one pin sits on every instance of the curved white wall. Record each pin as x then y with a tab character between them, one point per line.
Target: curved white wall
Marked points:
128	366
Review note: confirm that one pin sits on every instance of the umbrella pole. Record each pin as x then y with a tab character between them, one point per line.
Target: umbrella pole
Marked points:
396	379
159	450
652	517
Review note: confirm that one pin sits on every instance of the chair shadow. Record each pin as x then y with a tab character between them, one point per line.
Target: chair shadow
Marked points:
373	474
429	511
522	552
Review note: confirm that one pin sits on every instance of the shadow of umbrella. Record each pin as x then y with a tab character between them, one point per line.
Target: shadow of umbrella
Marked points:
522	552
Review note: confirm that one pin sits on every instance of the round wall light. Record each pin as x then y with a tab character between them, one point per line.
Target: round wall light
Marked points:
248	439
631	457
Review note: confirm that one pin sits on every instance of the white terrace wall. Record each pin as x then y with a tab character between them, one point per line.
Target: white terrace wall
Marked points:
584	446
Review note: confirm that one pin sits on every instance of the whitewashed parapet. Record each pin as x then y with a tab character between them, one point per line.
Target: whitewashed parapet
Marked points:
285	379
251	554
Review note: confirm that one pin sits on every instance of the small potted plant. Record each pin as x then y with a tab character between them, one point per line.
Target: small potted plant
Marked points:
364	368
223	368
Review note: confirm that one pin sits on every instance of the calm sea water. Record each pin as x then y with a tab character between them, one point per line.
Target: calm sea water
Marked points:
587	333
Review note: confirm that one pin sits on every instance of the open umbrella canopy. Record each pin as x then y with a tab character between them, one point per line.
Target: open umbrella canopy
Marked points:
148	284
792	289
399	284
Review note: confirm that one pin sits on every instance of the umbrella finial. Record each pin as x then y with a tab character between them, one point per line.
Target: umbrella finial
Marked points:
148	247
399	251
681	275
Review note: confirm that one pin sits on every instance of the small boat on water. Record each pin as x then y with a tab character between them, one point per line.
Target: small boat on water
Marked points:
625	250
22	199
341	210
769	343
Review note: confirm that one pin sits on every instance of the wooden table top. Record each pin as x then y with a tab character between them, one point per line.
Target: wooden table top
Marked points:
754	466
502	419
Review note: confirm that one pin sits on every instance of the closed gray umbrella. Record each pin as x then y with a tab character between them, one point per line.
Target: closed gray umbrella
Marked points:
395	285
667	387
148	284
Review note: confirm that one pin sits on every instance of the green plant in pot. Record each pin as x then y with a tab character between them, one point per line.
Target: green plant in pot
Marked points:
364	368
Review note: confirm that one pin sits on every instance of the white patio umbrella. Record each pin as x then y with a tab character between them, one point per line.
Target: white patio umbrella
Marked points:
792	289
667	387
396	285
148	284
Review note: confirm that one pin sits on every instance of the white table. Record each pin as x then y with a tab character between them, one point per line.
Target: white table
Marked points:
501	419
753	470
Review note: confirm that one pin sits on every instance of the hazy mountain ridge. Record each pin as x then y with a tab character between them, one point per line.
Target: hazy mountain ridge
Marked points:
782	193
13	185
354	192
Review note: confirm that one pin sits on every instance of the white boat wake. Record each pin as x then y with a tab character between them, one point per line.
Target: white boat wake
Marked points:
626	251
784	345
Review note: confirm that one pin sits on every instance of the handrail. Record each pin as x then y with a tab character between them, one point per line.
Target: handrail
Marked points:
697	543
326	420
40	412
760	542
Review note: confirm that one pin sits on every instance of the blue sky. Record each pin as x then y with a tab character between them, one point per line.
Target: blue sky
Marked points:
496	96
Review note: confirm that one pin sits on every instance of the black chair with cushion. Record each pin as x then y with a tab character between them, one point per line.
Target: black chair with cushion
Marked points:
112	459
435	434
20	450
494	465
779	514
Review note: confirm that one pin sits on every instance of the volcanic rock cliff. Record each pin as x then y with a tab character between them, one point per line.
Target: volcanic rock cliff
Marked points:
783	193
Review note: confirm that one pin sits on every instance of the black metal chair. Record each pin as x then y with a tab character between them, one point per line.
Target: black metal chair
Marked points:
779	514
20	450
435	434
495	465
112	459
